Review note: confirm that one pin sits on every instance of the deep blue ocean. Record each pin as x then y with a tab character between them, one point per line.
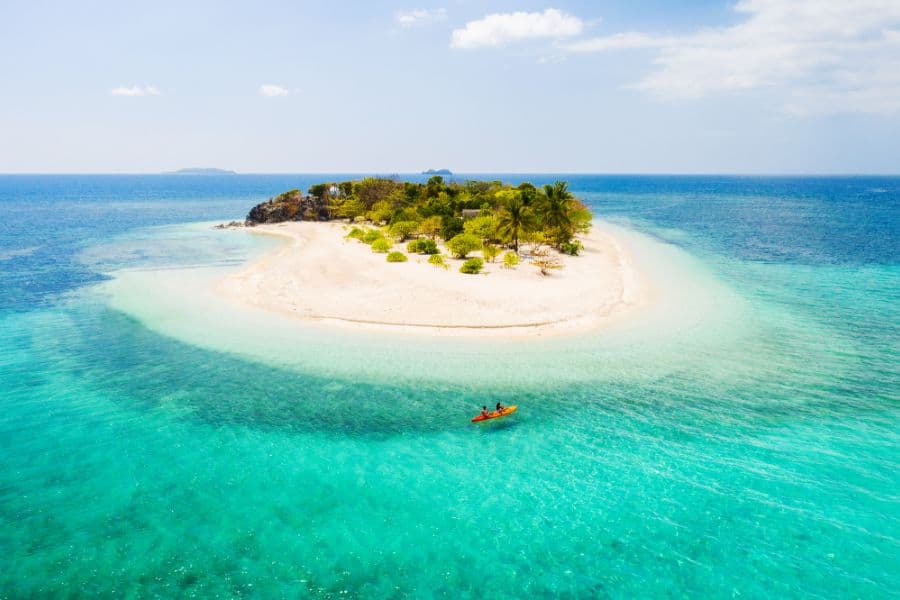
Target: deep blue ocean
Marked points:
755	453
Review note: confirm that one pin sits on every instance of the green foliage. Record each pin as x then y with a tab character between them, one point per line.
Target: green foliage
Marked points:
483	227
463	243
381	245
413	246
490	252
427	246
515	218
572	247
507	215
372	235
373	190
510	260
380	212
472	266
438	261
431	226
451	226
351	208
403	230
396	257
404	214
319	190
356	233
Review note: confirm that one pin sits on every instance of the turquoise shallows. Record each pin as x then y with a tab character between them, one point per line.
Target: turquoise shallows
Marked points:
747	444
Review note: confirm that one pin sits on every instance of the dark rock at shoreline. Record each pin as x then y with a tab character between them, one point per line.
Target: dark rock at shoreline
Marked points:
230	225
289	206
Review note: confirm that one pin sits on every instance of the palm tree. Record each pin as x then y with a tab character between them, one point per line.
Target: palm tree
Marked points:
556	208
514	218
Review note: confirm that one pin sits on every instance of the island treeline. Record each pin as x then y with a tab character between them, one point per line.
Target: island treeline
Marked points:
474	214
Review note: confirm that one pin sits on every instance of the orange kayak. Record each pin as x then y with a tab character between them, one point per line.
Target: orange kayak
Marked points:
495	414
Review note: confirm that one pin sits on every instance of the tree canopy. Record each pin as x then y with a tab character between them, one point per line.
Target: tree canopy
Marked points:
489	211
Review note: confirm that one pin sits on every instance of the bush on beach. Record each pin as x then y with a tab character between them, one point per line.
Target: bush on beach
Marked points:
464	243
438	261
381	245
510	260
396	257
472	266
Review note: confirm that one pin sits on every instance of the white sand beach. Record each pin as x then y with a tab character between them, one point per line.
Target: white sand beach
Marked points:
320	276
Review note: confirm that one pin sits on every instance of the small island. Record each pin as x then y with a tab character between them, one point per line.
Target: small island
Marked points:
478	256
445	172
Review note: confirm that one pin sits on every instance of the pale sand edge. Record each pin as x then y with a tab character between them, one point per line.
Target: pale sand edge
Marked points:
633	294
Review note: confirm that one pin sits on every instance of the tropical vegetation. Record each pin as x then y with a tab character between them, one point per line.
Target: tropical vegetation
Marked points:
468	216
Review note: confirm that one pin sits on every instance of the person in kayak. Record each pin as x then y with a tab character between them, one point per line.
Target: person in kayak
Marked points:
500	407
484	412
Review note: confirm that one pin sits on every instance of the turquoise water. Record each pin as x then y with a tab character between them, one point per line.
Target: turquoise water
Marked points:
742	439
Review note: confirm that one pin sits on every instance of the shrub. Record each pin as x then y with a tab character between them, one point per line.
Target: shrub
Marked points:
472	266
451	226
372	235
464	243
510	260
483	227
403	230
571	248
396	257
381	245
426	246
380	212
413	246
490	252
356	233
438	261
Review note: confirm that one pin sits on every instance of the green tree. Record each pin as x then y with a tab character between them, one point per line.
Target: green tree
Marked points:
556	208
380	212
515	218
403	230
430	226
464	243
483	227
451	226
351	208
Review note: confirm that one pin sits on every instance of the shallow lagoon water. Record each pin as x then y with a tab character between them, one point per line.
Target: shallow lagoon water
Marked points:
754	452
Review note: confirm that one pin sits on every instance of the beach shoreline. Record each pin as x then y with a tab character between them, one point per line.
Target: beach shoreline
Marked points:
319	276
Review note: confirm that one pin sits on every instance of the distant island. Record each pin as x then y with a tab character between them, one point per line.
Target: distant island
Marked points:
436	258
437	172
200	171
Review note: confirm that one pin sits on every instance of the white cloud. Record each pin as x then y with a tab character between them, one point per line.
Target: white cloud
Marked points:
618	41
420	16
818	56
270	90
135	90
503	28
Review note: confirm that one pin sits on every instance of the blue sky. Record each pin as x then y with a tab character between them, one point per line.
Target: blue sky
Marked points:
755	86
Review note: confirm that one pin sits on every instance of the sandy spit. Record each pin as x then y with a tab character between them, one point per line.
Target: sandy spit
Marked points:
319	276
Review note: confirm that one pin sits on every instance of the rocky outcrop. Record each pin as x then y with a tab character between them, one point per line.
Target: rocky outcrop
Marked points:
289	206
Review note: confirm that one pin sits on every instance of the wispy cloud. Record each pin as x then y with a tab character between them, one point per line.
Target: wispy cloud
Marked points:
500	29
820	56
270	90
420	16
135	90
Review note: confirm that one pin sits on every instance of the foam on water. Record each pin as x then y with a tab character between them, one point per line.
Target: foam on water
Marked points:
689	311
